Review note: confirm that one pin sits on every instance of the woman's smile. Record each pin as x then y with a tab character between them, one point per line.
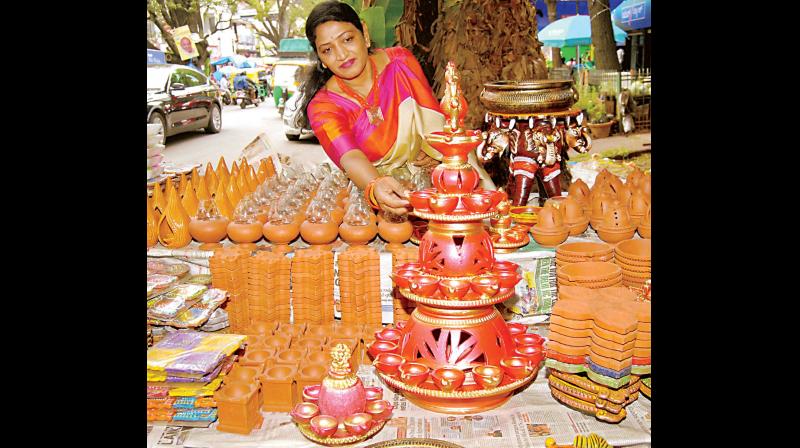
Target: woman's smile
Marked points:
347	64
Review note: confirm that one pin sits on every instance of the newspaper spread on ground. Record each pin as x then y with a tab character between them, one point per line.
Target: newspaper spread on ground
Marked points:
525	421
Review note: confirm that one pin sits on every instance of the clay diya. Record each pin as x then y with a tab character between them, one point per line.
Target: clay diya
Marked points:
516	328
380	410
508	279
454	289
526	215
485	285
403	277
209	226
574	217
359	423
443	204
378	347
528	339
419	200
644	226
516	367
550	230
311	393
395	230
487	376
324	425
373	393
423	285
447	379
617	225
388	363
304	412
389	334
533	353
413	373
477	202
502	265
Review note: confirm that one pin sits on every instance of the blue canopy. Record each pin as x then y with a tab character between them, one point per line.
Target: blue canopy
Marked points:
574	30
632	15
238	60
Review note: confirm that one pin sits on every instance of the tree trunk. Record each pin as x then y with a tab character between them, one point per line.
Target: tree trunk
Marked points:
552	16
603	36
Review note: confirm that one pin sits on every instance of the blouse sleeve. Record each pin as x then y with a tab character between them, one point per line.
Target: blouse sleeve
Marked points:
331	128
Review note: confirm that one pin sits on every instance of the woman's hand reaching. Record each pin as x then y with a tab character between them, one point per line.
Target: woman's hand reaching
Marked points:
391	195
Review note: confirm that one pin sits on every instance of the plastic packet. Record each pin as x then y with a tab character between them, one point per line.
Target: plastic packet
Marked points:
199	279
199	312
192	352
537	292
196	415
160	282
190	390
167	305
160	267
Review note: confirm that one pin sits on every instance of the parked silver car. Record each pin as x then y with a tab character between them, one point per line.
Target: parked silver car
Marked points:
291	119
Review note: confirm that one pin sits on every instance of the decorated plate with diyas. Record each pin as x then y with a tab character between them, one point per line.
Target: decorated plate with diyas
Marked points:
414	443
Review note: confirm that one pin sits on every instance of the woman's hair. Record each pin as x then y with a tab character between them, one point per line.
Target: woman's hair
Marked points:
317	76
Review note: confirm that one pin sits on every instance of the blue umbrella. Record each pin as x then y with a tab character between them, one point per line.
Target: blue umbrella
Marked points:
574	30
238	60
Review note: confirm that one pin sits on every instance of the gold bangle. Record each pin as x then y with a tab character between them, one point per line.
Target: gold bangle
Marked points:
369	193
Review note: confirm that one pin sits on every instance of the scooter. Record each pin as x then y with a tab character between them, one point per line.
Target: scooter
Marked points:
244	99
226	96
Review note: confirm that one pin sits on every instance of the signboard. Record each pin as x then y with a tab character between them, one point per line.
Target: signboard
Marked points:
156	57
186	47
632	13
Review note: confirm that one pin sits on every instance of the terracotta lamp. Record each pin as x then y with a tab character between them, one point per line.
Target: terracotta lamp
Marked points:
319	229
281	229
189	200
222	202
616	225
211	178
550	230
644	226
245	229
574	217
152	225
173	229
394	229
208	226
358	228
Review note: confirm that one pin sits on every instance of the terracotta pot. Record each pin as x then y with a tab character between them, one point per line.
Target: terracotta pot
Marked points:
319	234
419	200
443	204
545	239
454	289
487	376
477	202
245	233
615	235
280	233
414	373
395	233
359	423
516	367
357	235
304	412
388	363
324	425
600	130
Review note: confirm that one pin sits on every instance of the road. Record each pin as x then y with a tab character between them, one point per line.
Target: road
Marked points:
240	127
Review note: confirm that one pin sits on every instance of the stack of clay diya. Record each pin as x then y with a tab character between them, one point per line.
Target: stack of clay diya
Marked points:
550	229
267	285
342	411
633	257
401	305
312	286
580	252
589	274
456	354
360	285
505	237
597	349
229	272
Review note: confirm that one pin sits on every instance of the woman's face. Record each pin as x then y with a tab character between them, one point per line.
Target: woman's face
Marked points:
342	48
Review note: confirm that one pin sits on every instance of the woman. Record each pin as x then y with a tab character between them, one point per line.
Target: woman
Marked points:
369	109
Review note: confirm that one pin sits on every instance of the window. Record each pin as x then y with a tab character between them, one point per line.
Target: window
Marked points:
192	78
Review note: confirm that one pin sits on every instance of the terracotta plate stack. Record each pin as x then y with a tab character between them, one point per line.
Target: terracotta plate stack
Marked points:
312	286
229	272
633	257
590	274
597	349
583	251
359	285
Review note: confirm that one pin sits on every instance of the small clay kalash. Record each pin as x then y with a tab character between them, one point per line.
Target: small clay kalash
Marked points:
342	413
535	122
456	354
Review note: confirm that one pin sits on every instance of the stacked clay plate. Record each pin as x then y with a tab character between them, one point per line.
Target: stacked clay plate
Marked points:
583	251
590	274
597	350
633	257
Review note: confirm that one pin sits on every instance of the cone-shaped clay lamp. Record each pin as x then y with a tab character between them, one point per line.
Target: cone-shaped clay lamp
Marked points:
235	169
211	178
189	201
173	230
574	216
209	226
644	225
159	200
234	195
617	225
241	182
550	230
202	192
252	180
152	225
261	174
196	178
168	187
182	184
223	203
222	170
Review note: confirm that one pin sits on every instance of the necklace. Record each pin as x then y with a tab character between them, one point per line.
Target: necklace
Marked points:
374	113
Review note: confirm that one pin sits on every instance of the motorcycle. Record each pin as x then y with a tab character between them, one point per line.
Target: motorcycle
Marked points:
226	96
244	99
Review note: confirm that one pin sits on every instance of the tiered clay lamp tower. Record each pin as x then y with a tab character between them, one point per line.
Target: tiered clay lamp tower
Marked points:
456	354
505	237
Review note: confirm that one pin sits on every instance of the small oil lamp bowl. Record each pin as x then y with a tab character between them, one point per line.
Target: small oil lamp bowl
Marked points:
496	197
448	379
517	328
380	410
419	200
388	363
443	204
304	412
508	279
414	266
454	289
424	285
358	424
533	353
389	335
373	393
486	285
378	347
487	376
528	339
502	265
477	202
324	425
414	373
400	324
311	393
516	367
403	277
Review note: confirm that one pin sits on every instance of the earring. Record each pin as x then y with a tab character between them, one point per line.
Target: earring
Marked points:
321	67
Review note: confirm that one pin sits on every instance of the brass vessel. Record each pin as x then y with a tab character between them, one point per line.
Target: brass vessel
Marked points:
528	97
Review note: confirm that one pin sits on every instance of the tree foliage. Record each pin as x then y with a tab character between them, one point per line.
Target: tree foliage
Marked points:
274	27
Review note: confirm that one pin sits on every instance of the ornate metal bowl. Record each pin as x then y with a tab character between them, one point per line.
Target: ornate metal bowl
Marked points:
528	97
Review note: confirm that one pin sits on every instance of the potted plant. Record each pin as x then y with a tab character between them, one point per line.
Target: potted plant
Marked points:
599	122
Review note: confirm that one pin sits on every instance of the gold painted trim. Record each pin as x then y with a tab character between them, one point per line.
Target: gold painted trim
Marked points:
458	395
457	304
459	227
454	323
340	383
454	218
413	443
335	441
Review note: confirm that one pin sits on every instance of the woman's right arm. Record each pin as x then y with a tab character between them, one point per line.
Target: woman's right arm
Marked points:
391	196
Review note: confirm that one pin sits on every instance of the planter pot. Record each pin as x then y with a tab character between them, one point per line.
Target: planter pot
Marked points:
601	130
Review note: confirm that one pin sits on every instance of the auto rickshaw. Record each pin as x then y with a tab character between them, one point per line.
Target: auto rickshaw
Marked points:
286	77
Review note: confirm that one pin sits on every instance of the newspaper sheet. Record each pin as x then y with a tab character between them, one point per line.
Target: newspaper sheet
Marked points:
525	421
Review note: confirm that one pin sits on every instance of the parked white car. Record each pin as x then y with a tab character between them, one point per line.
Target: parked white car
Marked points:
291	119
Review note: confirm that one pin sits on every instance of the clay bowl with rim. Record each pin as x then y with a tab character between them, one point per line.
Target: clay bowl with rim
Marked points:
592	285
590	271
632	268
533	353
359	423
252	357
485	285
615	234
242	374
448	379
304	412
403	277
389	334
357	235
638	249
585	249
388	363
373	393
236	391
208	231
423	285
516	328
414	373
289	356
578	227
546	239
503	265
313	371
324	425
419	200
516	367
620	259
380	410
454	289
487	376
443	204
280	233
311	393
528	339
245	233
279	372
477	202
644	231
508	279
